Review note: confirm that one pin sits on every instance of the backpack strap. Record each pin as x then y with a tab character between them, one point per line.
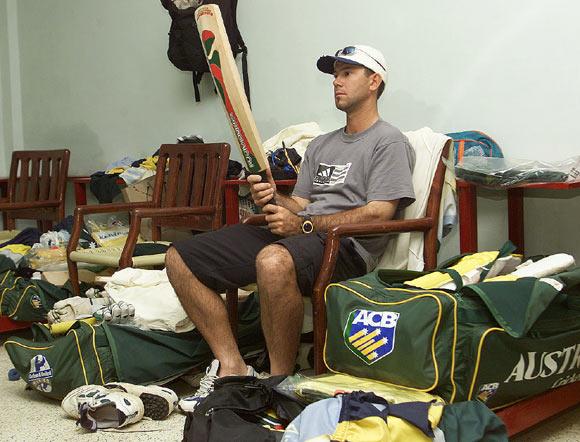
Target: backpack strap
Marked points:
241	45
196	76
245	72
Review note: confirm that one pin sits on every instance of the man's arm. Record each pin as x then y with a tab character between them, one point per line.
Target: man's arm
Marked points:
262	192
282	221
375	211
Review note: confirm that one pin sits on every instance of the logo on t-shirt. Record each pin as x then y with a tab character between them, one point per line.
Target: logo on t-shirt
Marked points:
331	174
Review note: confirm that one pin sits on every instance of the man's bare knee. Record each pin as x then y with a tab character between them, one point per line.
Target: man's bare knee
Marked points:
274	259
173	260
177	271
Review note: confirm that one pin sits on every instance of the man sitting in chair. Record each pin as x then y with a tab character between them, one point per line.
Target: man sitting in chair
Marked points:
357	174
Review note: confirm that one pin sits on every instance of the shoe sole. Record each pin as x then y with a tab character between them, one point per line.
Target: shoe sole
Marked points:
156	406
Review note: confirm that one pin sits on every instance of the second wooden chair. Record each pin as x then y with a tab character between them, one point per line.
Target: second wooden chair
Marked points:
187	194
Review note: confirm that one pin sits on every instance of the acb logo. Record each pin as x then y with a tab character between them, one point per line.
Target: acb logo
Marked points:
370	334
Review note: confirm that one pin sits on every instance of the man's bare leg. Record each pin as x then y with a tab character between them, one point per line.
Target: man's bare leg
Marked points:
208	312
281	307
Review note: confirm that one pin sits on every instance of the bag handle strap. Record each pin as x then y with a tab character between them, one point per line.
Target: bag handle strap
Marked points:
507	249
455	276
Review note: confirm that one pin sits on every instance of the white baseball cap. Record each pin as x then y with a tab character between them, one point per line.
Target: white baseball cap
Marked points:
357	54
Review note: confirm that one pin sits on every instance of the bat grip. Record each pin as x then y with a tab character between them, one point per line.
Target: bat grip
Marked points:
264	176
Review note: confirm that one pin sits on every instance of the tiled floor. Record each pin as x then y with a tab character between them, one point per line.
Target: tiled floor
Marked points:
27	416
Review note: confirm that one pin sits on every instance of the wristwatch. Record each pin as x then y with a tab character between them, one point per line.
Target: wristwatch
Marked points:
307	226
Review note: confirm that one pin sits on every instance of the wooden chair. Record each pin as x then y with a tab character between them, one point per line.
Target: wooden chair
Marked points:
187	194
36	187
427	224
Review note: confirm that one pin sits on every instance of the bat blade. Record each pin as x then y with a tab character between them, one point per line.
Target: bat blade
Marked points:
228	83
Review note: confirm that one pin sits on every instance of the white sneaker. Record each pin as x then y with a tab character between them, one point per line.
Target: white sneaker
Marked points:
206	386
110	410
97	407
72	401
159	402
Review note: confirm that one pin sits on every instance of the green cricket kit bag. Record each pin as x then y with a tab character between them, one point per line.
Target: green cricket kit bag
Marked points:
500	340
97	354
25	299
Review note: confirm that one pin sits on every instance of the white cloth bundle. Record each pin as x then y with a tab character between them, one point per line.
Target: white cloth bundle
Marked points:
150	292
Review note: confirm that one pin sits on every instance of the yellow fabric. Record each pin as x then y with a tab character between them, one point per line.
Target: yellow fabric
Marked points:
466	264
330	384
115	170
149	163
20	249
375	429
61	328
508	278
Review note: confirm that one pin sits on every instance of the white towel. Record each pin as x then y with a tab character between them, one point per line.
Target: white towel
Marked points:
406	249
150	292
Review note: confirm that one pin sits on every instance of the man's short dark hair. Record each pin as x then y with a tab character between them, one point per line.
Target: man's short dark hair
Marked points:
381	88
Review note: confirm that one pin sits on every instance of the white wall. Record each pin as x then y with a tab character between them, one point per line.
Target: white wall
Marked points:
94	77
5	113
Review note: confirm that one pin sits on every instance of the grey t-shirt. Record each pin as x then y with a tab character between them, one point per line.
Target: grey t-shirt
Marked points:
343	171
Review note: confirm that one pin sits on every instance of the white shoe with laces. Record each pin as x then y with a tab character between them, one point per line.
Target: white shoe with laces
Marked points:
97	407
159	402
206	386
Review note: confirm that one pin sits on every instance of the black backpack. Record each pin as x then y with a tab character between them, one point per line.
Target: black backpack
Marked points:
237	411
185	50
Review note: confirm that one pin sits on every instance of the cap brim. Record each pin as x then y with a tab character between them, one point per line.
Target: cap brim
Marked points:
326	63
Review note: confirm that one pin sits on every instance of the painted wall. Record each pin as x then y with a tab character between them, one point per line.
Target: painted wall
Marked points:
94	77
5	113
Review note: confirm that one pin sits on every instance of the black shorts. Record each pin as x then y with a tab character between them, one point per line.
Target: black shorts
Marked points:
226	258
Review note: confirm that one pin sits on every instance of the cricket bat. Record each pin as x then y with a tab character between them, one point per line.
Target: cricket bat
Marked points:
228	83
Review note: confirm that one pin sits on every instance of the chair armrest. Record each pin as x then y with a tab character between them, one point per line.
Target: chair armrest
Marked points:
126	259
330	256
255	220
332	242
111	208
28	205
81	211
167	212
391	226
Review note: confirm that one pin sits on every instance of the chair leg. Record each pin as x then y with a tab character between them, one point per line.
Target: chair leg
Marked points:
232	307
10	223
73	274
155	232
44	225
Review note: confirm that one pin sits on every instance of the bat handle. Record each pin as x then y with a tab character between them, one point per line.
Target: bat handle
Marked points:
264	176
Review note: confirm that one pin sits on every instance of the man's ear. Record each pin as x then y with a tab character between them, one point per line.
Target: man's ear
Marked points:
375	81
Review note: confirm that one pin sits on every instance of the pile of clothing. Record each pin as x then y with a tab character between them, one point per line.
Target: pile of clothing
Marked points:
327	407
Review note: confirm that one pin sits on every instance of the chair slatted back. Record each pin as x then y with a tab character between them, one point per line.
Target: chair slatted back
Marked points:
38	175
191	175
